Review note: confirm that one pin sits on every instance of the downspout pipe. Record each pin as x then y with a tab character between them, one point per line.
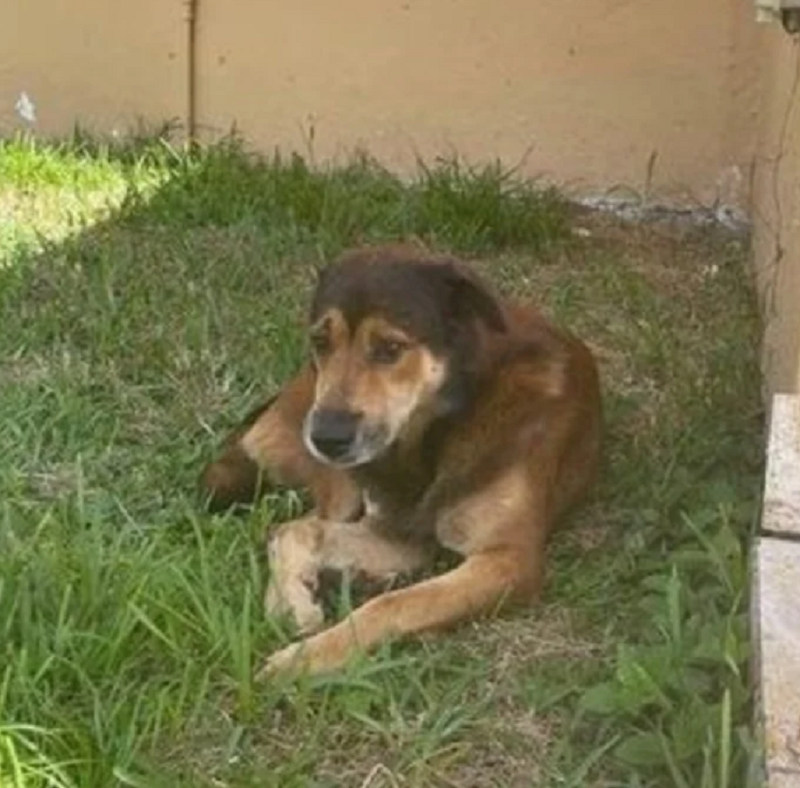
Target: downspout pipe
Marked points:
191	70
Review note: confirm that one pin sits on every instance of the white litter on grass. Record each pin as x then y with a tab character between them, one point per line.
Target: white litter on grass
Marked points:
25	108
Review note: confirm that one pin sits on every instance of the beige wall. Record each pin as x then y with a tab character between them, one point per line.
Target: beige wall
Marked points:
776	210
593	91
100	62
590	90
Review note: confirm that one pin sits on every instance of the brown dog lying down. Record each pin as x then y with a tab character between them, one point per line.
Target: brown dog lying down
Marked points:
432	416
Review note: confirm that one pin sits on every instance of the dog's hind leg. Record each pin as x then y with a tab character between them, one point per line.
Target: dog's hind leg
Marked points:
267	450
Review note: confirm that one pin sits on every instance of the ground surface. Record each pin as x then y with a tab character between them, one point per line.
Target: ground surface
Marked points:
149	298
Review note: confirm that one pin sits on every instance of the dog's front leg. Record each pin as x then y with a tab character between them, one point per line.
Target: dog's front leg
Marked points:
479	585
294	565
300	549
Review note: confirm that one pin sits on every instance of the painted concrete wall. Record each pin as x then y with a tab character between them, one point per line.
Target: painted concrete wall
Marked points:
776	210
653	96
106	64
584	92
679	101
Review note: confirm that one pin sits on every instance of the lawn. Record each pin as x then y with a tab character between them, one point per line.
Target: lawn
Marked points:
150	296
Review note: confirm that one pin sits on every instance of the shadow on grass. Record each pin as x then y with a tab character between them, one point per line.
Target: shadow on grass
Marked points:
148	297
190	292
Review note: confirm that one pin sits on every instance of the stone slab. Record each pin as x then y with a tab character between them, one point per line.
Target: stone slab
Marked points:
787	780
781	512
776	632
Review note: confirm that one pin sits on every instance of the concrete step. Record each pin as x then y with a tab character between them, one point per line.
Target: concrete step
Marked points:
776	599
777	665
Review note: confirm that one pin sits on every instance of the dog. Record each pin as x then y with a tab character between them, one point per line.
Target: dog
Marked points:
433	417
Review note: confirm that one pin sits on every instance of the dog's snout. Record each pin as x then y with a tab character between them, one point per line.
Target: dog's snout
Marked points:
333	432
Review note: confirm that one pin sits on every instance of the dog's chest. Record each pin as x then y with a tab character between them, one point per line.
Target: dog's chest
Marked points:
392	501
396	487
372	507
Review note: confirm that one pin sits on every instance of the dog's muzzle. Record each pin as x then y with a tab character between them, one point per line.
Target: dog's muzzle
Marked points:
333	433
343	438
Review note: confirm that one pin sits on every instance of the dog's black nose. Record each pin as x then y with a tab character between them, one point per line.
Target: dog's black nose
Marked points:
333	432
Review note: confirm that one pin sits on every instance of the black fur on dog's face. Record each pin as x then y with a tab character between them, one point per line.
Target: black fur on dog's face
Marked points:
392	338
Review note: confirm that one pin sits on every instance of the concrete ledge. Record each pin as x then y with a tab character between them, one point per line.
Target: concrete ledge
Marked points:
781	514
776	600
777	606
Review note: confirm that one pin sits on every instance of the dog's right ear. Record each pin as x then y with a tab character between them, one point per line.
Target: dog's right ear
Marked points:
469	298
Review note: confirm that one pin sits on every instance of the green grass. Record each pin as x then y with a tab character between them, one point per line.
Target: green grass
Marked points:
149	297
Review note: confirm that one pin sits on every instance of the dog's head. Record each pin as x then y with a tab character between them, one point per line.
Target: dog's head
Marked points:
392	336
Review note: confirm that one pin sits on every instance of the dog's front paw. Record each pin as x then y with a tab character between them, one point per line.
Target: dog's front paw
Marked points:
287	661
294	575
322	653
297	602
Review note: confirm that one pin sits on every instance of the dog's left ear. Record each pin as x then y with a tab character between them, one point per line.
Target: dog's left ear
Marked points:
471	299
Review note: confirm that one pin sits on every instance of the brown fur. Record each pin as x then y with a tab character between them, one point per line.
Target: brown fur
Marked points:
473	437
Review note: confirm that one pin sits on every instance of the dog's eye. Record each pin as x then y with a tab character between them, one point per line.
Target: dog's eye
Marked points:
386	351
320	344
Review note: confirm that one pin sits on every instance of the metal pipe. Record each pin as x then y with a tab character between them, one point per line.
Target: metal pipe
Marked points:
191	67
